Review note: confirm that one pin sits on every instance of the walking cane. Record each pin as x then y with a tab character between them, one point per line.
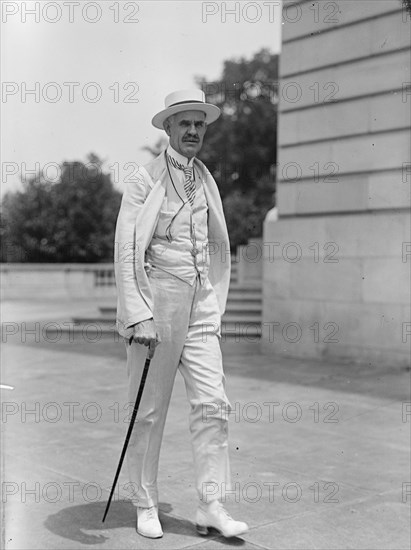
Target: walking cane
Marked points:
132	421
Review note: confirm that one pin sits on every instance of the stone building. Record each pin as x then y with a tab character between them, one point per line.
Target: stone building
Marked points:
336	273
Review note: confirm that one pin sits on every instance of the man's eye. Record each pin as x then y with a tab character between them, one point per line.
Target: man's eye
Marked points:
199	124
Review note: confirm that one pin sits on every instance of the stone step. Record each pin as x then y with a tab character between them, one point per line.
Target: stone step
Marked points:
239	330
107	279
236	298
108	311
236	317
236	288
243	314
244	294
252	306
103	322
229	328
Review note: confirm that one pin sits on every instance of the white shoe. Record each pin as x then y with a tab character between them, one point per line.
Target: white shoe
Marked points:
148	523
214	515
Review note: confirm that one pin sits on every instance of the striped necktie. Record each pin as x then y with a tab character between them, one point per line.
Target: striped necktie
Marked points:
189	185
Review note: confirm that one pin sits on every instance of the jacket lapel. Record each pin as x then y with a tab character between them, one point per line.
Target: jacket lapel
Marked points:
219	244
146	222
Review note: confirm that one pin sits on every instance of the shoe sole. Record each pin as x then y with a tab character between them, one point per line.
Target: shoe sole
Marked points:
204	530
149	536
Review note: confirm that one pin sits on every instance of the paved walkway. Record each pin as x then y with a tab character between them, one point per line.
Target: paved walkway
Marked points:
320	453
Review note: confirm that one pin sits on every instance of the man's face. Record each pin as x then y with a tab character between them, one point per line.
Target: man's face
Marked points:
186	131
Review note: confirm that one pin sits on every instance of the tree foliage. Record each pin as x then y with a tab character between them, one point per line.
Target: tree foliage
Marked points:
71	220
240	147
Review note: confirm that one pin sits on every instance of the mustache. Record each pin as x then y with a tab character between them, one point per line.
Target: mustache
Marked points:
191	140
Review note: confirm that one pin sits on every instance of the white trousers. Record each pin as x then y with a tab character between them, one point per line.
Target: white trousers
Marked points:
187	318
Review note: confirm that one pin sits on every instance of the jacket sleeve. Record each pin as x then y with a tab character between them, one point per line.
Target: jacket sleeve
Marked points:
132	308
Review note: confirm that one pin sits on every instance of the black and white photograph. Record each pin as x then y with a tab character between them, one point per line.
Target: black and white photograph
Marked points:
205	252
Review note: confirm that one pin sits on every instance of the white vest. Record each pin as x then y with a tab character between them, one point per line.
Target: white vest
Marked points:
180	241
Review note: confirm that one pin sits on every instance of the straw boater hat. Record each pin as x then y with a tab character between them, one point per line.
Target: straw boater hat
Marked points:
186	100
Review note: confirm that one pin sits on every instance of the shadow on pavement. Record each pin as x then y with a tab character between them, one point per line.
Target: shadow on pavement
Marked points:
73	523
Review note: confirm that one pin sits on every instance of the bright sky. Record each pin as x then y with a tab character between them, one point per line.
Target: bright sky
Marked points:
162	48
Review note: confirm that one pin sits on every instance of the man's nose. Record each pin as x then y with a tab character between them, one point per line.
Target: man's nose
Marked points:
192	130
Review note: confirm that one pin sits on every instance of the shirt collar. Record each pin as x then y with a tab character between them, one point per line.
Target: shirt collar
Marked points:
179	158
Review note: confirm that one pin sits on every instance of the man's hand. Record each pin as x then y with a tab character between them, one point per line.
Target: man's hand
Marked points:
146	333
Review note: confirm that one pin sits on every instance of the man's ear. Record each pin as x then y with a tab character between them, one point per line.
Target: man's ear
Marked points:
167	126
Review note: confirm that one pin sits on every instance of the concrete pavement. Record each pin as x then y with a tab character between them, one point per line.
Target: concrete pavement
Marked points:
320	452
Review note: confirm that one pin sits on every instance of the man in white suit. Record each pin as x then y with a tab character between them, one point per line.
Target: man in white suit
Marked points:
172	270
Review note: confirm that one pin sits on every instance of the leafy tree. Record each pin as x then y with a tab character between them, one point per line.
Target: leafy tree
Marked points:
72	220
240	147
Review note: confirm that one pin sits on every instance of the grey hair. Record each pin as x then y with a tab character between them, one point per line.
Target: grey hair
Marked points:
168	120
